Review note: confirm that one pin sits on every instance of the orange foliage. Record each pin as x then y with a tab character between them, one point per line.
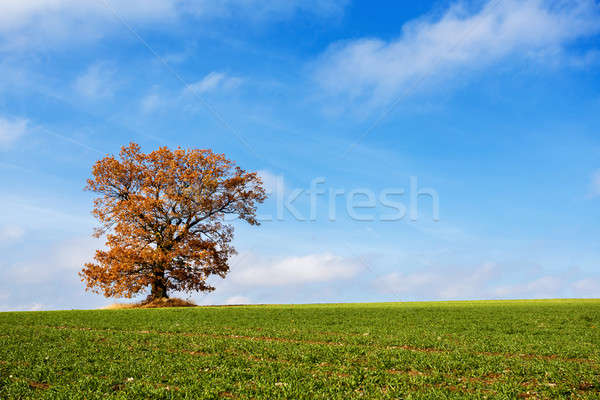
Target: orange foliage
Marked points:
163	216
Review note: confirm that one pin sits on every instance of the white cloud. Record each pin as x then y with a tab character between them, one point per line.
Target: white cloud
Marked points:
587	287
484	282
62	262
44	23
11	130
96	82
46	276
19	13
212	82
10	233
439	284
26	307
36	307
373	71
543	287
237	300
312	268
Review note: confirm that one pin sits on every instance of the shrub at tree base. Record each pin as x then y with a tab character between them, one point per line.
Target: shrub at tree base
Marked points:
155	303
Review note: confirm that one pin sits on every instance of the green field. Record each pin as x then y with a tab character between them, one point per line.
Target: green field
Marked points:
495	349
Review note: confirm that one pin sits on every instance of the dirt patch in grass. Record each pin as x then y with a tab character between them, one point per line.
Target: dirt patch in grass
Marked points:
38	385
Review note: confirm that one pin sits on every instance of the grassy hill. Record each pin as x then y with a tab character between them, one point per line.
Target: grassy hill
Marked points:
493	349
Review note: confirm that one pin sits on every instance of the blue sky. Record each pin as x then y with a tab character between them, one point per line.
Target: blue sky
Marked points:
493	105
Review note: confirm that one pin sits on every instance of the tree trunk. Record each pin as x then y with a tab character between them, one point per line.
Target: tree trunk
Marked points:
159	287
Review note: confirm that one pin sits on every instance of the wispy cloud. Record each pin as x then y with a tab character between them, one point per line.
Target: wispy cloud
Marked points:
28	24
264	9
587	287
60	264
151	102
11	130
47	277
486	282
98	81
10	233
237	300
44	23
20	13
374	71
543	287
439	284
212	82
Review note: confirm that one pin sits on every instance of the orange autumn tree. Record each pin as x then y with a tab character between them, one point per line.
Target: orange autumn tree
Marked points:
163	214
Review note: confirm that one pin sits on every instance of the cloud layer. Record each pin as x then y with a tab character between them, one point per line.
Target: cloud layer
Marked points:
375	71
311	268
34	23
485	282
40	23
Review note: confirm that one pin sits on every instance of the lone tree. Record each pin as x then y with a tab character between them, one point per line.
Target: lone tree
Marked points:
163	214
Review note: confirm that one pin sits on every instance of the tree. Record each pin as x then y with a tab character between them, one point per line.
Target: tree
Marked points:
163	214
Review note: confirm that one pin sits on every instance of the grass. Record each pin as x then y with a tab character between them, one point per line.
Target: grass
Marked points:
495	349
